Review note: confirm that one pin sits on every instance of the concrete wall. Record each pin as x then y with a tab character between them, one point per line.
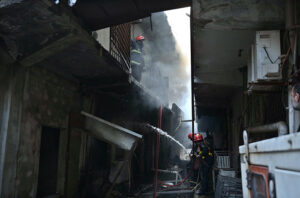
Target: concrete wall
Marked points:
219	54
103	37
11	129
253	110
47	102
38	98
239	14
5	76
236	127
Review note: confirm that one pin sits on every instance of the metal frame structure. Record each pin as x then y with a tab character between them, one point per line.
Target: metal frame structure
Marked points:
120	45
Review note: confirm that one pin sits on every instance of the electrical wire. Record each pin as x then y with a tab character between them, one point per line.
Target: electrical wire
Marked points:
285	58
269	56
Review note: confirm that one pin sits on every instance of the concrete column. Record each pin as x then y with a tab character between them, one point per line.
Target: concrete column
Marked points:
5	102
6	78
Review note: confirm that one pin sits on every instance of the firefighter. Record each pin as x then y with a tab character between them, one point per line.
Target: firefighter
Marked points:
137	57
197	139
195	161
207	158
203	160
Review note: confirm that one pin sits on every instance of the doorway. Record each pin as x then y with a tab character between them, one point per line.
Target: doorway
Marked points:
48	166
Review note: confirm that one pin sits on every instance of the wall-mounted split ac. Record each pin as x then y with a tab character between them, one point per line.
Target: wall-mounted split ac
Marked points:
264	61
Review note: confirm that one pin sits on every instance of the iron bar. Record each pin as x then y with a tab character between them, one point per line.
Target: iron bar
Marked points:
169	192
192	74
186	121
120	44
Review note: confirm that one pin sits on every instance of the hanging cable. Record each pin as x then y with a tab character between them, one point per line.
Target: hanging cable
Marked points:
269	56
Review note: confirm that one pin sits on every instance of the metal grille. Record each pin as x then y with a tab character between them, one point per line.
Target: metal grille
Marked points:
228	187
222	159
120	45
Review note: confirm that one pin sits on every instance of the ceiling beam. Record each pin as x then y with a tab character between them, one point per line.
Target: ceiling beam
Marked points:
49	50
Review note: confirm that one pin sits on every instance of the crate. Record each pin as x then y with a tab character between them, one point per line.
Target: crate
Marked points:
222	159
228	187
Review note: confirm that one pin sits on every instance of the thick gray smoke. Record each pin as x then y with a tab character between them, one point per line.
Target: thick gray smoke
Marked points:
163	61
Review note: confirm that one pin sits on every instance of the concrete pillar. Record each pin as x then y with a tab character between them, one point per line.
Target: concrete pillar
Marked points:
6	91
13	86
5	101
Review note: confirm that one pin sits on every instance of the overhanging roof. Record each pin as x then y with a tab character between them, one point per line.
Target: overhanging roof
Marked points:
97	14
109	132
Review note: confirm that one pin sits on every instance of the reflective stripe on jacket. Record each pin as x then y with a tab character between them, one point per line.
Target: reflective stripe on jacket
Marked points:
136	51
135	62
137	58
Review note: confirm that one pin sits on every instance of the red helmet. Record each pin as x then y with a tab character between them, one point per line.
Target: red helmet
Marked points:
190	135
140	38
197	137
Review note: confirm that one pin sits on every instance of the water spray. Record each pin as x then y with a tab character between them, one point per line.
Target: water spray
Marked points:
161	132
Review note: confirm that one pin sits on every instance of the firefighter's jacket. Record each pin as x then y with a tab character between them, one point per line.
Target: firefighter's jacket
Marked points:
204	153
137	57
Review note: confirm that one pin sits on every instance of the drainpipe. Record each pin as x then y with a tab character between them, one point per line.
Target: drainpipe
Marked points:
289	14
280	127
192	73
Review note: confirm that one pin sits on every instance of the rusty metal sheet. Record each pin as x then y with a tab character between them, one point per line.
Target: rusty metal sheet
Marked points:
109	132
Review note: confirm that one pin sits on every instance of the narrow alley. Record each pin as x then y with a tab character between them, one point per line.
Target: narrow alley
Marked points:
147	99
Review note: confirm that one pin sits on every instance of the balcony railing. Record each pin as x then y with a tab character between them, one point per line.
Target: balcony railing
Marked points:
120	45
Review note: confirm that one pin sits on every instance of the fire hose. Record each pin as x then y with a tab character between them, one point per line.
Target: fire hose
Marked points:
168	185
156	161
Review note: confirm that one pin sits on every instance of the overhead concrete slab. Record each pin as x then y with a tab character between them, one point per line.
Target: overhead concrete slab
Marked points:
239	14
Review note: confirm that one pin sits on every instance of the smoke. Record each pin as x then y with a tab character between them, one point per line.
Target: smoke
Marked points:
167	56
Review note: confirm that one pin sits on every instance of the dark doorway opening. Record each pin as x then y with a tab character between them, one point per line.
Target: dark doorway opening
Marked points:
48	166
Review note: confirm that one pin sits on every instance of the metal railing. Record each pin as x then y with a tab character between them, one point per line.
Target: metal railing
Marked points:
222	159
120	45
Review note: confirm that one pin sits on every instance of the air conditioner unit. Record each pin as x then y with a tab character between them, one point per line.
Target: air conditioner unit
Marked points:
264	60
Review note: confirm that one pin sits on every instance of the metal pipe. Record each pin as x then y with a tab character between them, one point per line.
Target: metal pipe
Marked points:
295	47
192	74
186	120
169	192
280	127
166	171
157	150
289	13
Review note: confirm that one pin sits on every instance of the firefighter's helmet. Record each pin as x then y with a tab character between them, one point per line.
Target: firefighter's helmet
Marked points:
190	135
140	38
197	137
